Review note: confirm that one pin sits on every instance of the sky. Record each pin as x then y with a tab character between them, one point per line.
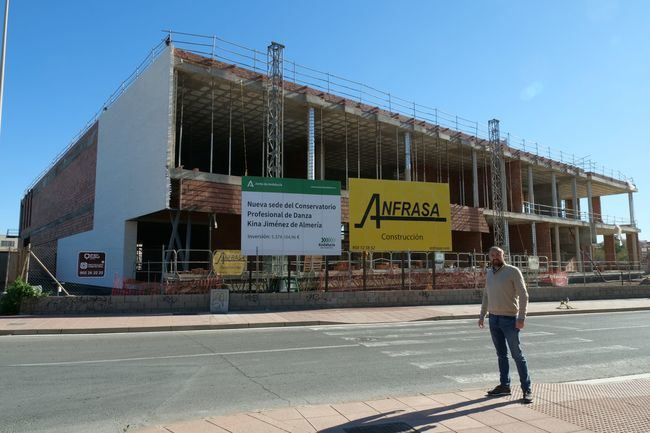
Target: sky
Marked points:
569	75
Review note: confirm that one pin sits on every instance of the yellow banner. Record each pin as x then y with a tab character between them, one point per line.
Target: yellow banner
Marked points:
228	263
389	215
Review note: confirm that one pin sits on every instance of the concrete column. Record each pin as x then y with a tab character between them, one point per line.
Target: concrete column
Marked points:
322	157
475	177
558	252
630	198
590	202
574	192
504	200
531	189
407	156
592	220
533	230
311	145
504	189
554	193
531	201
578	252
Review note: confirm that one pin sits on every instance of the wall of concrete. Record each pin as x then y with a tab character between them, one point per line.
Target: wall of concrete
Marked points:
309	300
134	143
89	305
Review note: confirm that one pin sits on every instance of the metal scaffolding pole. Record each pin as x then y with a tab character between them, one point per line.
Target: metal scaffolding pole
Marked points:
407	156
576	203
531	200
554	200
498	221
2	57
558	251
275	111
275	129
311	144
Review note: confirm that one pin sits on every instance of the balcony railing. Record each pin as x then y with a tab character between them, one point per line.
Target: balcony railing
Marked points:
540	209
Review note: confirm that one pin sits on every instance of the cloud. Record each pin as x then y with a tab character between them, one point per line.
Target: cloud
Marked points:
531	91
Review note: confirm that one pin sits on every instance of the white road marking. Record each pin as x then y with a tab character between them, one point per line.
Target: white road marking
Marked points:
195	355
395	343
475	378
433	341
404	329
612	379
351	337
407	353
551	374
577	351
433	364
613	328
563	341
568	328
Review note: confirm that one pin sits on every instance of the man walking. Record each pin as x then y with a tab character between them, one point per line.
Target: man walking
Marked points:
505	297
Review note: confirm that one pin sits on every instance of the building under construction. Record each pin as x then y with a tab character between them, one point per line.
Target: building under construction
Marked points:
158	169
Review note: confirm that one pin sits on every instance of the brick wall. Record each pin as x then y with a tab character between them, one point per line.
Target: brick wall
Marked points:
169	304
521	239
610	248
212	197
466	241
515	188
544	246
630	240
223	198
62	202
597	209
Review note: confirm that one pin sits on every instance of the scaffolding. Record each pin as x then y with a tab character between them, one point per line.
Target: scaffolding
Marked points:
275	111
497	182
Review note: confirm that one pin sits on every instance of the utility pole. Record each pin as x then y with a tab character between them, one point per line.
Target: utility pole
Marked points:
2	59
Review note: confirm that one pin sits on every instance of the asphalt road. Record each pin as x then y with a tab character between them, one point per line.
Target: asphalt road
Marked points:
115	382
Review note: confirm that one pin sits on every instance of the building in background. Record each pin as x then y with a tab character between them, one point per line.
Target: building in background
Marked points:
8	257
159	168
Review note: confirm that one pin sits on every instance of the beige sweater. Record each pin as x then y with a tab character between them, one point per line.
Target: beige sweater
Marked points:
505	293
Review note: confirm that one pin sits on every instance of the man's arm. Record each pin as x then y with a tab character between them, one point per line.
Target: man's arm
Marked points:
522	292
484	306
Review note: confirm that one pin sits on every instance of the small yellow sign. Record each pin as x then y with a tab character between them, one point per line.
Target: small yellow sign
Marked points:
228	263
390	215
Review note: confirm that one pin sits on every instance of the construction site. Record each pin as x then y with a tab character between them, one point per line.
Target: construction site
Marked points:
153	182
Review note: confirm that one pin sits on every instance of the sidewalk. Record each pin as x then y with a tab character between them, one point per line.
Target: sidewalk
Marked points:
558	408
22	325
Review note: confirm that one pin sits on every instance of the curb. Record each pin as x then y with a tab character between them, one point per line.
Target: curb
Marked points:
163	328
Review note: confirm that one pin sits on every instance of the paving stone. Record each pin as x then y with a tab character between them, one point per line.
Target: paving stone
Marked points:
554	425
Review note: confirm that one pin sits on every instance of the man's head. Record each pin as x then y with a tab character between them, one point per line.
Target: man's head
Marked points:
496	256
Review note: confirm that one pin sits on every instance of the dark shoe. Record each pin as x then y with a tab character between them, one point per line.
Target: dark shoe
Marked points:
527	397
499	391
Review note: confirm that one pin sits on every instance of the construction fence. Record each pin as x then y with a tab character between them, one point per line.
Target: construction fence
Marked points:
192	271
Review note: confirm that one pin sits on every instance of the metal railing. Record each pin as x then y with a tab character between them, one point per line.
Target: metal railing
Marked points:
373	271
540	209
336	86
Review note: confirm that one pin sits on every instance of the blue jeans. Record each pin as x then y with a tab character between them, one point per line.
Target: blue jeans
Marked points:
503	331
